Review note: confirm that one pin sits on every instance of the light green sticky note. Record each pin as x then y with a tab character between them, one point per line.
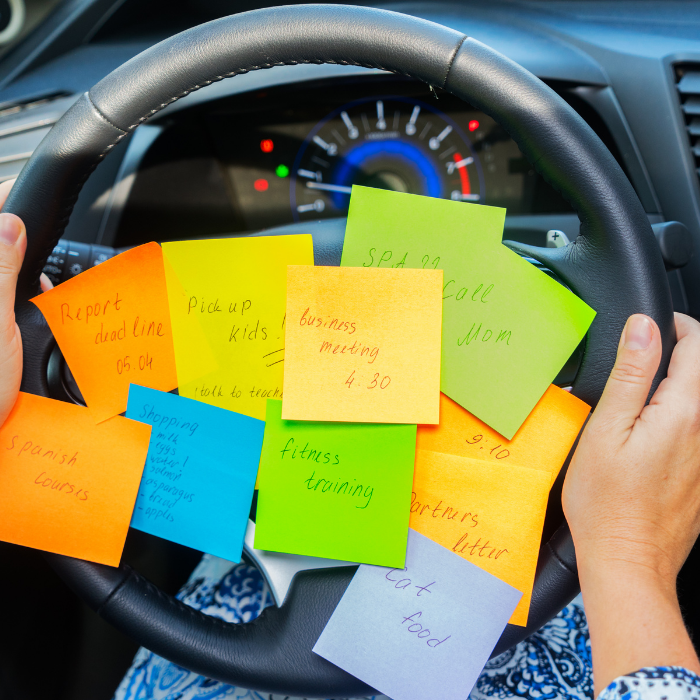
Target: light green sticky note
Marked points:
335	490
507	328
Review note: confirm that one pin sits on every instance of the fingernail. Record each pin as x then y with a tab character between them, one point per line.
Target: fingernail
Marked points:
638	333
10	229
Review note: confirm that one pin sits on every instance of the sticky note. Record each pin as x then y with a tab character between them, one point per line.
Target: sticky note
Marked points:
490	514
362	345
542	442
335	490
202	461
67	485
508	328
112	324
227	300
425	631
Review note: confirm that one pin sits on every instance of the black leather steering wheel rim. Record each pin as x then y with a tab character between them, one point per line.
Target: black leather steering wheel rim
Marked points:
614	265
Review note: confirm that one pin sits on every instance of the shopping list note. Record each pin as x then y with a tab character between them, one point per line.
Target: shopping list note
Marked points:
363	345
422	631
112	324
490	514
542	442
508	327
197	486
67	485
335	490
227	300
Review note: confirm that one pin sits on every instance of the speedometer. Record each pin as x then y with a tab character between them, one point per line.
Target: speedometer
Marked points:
391	143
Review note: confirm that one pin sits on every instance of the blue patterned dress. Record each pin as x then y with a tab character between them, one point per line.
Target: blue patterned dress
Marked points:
555	662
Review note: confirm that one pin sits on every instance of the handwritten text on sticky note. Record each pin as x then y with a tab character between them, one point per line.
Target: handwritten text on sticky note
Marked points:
201	467
542	442
112	324
68	485
426	630
227	300
508	327
362	345
335	490
490	514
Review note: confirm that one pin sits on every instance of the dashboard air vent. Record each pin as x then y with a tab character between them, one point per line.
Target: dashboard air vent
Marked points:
688	84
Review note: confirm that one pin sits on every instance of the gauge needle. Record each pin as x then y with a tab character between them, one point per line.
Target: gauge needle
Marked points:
329	187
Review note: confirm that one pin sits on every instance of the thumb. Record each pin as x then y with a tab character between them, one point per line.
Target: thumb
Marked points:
13	243
638	357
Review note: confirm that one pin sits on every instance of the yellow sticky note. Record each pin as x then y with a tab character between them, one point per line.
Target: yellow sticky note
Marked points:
227	303
362	345
542	442
112	324
490	514
68	485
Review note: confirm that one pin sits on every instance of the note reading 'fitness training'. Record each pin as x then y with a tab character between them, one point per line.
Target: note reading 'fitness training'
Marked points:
508	327
201	467
227	300
542	442
363	345
490	514
112	324
67	485
423	631
335	490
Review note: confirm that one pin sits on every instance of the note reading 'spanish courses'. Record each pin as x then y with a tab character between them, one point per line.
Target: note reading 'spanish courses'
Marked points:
335	490
508	328
362	345
112	324
423	631
201	467
68	485
490	514
542	442
227	300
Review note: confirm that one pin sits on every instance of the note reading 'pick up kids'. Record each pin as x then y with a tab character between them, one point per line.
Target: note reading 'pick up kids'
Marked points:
67	485
362	345
227	300
112	324
508	328
201	467
490	514
335	490
542	442
422	631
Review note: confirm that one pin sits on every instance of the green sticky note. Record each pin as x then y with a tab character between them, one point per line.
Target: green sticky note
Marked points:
507	328
335	490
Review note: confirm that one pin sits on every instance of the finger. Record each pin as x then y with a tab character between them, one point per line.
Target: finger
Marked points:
5	188
13	242
45	283
626	391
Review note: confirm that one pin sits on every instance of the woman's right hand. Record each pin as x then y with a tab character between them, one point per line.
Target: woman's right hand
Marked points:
632	500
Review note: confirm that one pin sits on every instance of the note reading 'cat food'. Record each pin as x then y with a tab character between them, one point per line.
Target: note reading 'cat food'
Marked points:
422	631
112	324
67	485
363	345
335	490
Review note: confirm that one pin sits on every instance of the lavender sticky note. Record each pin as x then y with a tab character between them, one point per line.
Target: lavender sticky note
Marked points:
423	631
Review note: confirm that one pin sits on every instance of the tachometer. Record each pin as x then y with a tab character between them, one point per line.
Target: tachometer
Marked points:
391	143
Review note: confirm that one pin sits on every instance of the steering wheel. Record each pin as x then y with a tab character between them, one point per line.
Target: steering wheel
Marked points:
614	265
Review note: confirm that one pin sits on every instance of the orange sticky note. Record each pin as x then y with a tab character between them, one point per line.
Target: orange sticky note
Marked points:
112	323
67	485
542	442
362	345
490	514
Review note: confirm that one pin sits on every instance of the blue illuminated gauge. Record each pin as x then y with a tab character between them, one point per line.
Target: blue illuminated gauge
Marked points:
392	143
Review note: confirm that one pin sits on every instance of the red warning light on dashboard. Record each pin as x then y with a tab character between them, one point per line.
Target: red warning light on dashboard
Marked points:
266	145
473	125
261	185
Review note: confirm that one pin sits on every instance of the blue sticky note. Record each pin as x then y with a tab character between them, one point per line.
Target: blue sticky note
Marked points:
200	472
423	631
